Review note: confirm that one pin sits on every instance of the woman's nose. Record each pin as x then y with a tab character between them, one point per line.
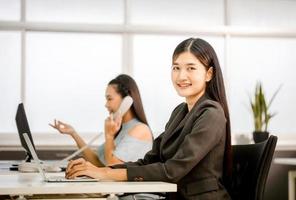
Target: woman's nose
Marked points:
182	74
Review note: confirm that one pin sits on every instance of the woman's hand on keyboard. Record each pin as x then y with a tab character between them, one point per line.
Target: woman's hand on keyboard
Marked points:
81	167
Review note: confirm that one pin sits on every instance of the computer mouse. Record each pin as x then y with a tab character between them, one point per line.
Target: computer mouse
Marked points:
52	168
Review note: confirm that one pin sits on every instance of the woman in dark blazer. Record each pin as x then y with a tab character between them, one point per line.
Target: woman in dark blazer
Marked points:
194	151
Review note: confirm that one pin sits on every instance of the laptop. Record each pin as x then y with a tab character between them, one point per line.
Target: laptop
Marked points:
53	179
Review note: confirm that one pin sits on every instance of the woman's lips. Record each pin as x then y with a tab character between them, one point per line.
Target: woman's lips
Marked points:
184	85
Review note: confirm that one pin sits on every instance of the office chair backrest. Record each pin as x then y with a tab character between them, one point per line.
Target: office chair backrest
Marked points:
251	164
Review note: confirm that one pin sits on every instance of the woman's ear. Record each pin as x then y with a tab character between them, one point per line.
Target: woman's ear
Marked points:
209	74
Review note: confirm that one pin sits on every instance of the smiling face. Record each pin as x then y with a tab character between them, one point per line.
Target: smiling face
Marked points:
189	77
113	98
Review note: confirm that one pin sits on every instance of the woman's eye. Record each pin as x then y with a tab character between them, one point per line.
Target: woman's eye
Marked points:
191	68
175	68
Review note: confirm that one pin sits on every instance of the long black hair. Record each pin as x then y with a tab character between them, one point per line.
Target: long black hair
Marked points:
215	89
127	86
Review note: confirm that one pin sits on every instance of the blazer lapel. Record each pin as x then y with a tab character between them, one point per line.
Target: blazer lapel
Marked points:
180	120
177	123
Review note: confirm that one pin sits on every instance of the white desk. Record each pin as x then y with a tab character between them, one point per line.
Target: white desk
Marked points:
285	161
15	183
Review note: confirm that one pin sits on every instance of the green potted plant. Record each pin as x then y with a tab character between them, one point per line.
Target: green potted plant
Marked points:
261	113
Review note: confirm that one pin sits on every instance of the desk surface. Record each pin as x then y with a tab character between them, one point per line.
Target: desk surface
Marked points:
285	161
15	183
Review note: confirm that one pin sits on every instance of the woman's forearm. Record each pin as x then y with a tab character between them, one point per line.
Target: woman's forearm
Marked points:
109	149
88	153
116	174
79	141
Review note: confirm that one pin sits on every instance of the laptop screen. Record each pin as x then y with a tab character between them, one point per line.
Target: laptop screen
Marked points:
23	127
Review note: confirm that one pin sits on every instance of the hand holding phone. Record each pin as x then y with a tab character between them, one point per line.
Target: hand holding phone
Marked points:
113	122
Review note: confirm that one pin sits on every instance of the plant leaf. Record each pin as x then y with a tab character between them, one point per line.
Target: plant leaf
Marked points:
274	95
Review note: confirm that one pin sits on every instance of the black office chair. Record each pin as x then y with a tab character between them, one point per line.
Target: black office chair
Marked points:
251	163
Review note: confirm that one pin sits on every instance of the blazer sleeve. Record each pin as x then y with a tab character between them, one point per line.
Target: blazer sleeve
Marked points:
206	132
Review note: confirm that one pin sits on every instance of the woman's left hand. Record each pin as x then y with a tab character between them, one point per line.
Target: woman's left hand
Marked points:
81	167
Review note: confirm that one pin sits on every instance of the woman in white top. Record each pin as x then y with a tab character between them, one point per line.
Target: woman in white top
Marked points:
132	137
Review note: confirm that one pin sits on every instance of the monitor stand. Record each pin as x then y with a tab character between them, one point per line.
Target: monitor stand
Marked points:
28	157
27	165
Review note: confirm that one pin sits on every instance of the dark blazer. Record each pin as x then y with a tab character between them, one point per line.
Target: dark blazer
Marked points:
189	152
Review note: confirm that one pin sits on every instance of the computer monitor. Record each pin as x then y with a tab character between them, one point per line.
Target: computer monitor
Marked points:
23	127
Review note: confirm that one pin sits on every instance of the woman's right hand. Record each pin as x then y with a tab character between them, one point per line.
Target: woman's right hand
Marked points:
63	127
112	126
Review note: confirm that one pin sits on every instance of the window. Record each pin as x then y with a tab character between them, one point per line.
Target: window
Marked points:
75	11
271	61
10	10
10	78
60	56
177	13
267	14
72	72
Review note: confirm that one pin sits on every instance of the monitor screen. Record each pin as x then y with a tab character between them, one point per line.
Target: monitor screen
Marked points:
23	127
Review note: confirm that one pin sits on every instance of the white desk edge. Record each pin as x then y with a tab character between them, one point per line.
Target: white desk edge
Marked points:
32	183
